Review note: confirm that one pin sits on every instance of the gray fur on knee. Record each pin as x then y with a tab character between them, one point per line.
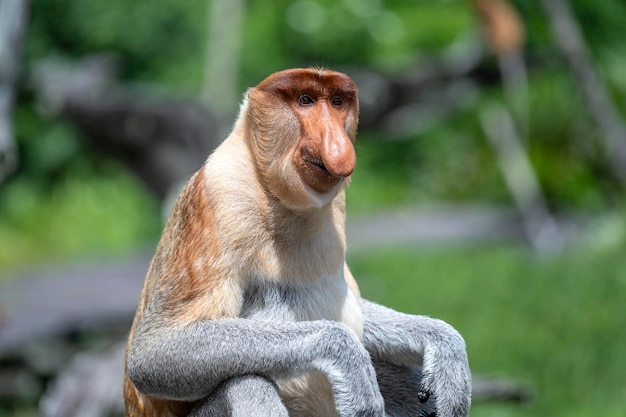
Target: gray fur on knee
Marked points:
250	395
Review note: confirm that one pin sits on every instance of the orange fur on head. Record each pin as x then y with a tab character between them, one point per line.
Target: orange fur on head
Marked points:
319	135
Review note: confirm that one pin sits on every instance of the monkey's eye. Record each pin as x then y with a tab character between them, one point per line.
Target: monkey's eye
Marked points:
305	100
337	101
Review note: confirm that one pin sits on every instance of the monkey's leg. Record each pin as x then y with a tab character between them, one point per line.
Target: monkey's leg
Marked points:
408	340
245	396
187	363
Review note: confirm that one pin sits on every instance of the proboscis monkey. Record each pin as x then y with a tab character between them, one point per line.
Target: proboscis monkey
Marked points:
248	307
504	33
502	24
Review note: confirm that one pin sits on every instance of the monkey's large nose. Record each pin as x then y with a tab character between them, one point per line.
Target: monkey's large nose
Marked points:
338	153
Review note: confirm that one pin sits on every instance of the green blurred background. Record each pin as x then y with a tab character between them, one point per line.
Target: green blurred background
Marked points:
556	321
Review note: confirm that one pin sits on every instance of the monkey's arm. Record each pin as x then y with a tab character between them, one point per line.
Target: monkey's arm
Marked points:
188	362
408	340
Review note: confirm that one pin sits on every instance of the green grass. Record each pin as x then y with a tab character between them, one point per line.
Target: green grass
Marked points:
95	216
556	323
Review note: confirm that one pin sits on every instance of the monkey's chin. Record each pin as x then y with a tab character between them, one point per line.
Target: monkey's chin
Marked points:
299	196
322	196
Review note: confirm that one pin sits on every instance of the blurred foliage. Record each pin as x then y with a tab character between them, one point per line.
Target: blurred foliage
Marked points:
163	42
554	323
557	323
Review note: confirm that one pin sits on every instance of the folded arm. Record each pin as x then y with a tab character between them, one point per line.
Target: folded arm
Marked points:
408	341
188	363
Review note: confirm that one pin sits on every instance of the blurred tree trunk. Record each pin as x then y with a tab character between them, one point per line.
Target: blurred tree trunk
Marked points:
505	35
162	139
223	55
570	41
13	18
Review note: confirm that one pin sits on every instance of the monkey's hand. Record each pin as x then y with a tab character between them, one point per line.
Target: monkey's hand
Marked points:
409	340
189	362
349	369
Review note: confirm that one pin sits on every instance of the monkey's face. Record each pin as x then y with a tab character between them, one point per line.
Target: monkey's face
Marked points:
303	124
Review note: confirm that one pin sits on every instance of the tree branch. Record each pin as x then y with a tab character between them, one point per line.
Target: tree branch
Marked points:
163	140
571	44
13	20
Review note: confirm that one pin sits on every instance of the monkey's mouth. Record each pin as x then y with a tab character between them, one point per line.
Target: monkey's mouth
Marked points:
317	163
315	174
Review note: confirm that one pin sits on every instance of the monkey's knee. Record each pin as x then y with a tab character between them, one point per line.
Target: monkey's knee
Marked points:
244	396
399	386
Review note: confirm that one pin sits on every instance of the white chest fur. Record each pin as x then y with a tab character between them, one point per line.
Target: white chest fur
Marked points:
326	298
